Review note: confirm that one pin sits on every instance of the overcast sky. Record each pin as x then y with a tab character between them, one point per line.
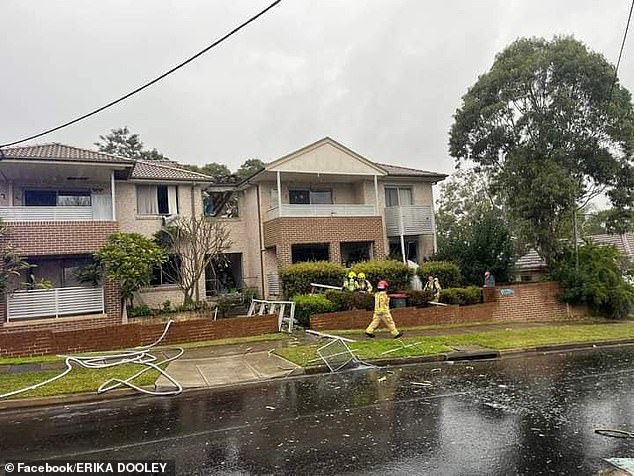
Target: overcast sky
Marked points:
382	77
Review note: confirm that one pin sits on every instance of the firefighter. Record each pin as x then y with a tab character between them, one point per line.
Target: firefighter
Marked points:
350	282
382	312
363	284
433	285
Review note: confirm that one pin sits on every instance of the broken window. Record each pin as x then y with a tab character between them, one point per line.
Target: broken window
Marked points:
221	204
310	252
355	252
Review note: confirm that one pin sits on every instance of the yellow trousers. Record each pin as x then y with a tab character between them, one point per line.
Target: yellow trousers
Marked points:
386	317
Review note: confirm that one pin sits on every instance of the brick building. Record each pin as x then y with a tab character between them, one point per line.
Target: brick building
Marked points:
323	201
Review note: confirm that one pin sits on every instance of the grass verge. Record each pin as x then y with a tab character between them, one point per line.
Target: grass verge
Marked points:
499	340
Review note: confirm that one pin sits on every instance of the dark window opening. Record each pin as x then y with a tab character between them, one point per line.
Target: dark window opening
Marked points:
355	252
299	197
163	201
60	272
167	273
311	252
307	197
221	204
224	274
57	198
411	250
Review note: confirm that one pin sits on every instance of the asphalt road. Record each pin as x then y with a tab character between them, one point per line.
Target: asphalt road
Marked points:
529	415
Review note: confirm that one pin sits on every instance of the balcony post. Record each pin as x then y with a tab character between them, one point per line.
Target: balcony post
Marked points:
114	208
376	195
279	194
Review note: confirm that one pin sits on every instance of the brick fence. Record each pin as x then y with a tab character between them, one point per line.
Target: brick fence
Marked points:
58	341
527	302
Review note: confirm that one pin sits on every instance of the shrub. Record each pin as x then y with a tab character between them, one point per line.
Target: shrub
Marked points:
346	301
297	277
419	298
447	273
166	306
394	272
461	296
142	310
597	281
308	304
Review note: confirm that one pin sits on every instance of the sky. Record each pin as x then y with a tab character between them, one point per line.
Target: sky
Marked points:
383	77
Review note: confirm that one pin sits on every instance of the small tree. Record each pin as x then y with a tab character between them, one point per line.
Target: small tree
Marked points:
197	241
11	263
129	258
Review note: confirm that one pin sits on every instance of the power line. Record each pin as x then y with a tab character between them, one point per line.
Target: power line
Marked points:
618	62
148	84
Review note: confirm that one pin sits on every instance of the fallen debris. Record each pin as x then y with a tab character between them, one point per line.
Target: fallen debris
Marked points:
422	384
329	336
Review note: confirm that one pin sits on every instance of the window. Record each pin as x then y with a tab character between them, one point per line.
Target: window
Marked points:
398	196
312	252
57	198
221	204
61	272
167	273
157	199
306	197
355	252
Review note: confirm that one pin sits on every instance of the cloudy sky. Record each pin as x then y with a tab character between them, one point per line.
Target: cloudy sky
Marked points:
381	76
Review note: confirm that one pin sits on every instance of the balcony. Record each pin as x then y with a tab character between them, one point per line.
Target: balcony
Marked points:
321	210
74	213
409	220
53	303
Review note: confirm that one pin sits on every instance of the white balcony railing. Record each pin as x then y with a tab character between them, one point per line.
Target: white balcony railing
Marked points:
409	220
319	210
56	302
46	213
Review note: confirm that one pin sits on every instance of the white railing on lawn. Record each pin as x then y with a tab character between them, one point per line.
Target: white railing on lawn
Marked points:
322	210
82	213
54	302
409	220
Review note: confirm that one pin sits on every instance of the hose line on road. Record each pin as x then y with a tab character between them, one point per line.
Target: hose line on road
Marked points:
612	433
137	355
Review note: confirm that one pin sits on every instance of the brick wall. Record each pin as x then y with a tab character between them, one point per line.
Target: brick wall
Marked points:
286	231
529	302
52	238
60	340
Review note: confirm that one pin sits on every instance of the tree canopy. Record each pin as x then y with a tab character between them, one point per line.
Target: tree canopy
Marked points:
249	167
551	129
124	144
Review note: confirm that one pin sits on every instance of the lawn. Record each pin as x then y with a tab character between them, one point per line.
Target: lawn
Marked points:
499	340
77	381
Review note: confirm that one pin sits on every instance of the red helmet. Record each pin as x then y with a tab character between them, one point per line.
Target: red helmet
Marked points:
383	284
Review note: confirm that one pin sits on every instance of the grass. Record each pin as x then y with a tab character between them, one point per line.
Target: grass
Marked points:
77	381
186	345
498	339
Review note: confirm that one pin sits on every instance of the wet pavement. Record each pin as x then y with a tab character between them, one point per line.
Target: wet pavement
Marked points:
529	415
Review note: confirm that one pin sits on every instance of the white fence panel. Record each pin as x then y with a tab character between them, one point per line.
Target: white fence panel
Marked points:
322	210
409	220
46	213
54	302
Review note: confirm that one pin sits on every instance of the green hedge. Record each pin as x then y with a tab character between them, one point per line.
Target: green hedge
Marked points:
447	273
296	278
346	301
461	296
397	274
308	304
419	298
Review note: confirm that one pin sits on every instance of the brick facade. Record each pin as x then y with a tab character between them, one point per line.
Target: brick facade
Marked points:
529	302
66	339
284	232
60	238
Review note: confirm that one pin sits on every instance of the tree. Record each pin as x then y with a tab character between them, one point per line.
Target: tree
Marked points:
551	130
128	258
197	242
249	168
603	221
124	144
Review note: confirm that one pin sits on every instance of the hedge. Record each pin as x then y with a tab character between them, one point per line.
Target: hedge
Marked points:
308	304
447	273
461	296
397	274
419	298
346	301
296	278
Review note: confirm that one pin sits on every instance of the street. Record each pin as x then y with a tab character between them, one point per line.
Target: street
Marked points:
523	415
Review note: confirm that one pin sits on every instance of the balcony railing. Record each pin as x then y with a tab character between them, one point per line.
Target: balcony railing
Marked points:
38	303
48	214
409	220
325	210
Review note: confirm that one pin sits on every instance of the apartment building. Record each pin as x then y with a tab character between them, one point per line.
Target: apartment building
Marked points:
323	201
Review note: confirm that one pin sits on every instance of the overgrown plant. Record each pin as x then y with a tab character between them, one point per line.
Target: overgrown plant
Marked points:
11	263
197	242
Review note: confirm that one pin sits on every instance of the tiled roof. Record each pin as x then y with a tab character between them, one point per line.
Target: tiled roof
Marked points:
409	172
530	261
157	170
59	152
624	243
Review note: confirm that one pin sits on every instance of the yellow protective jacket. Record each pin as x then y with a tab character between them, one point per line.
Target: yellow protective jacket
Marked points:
381	302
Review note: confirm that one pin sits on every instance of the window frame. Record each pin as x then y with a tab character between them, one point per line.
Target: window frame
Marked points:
398	189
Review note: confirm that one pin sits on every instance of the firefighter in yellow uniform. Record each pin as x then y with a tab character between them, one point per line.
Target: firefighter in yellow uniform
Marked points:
350	282
382	312
363	284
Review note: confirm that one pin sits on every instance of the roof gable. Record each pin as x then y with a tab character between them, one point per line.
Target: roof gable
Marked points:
59	152
326	156
149	170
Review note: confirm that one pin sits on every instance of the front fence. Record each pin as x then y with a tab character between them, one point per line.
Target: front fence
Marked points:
36	303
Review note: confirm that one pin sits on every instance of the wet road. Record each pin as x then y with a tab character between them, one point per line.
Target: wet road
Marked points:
530	415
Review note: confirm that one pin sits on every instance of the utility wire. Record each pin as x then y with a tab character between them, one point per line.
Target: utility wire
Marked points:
148	84
618	62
